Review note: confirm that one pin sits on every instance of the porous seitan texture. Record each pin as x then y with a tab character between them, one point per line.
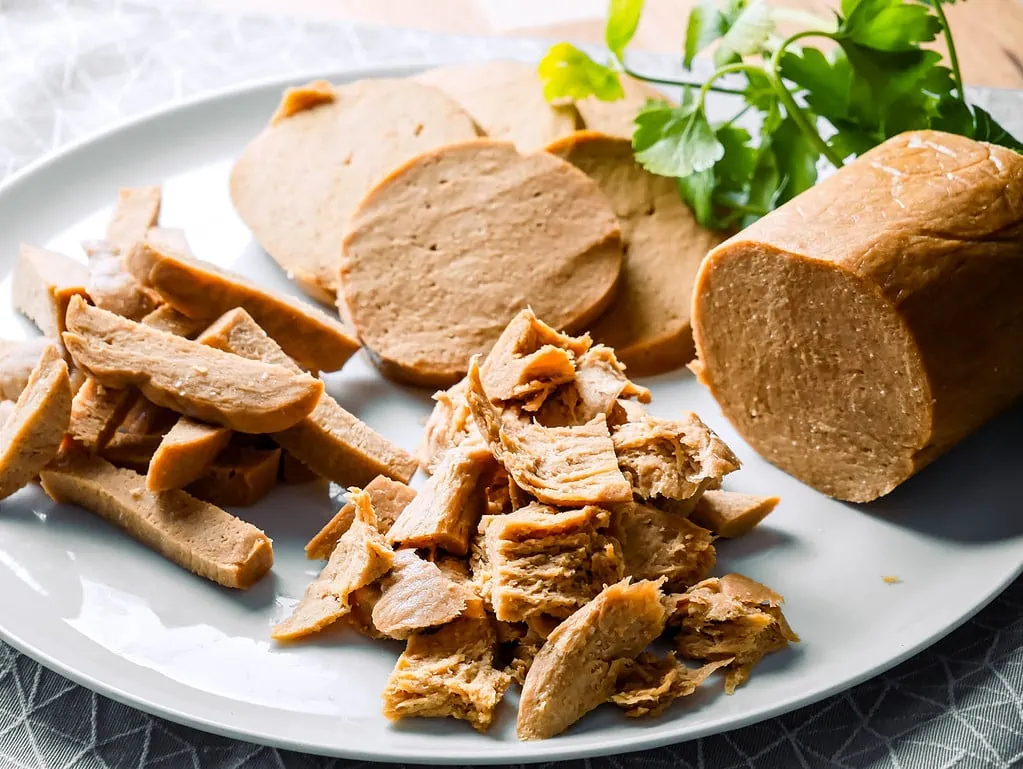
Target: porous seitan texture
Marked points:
297	183
505	99
445	512
359	559
198	289
17	362
112	287
649	684
562	466
731	617
388	498
600	386
193	534
658	544
44	282
240	476
448	672
449	424
730	514
541	561
579	666
33	431
416	595
474	214
184	454
186	376
137	210
672	459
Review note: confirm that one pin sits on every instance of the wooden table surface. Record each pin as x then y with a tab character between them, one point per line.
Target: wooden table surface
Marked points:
988	33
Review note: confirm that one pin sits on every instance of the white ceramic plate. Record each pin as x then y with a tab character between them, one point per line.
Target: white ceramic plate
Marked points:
86	600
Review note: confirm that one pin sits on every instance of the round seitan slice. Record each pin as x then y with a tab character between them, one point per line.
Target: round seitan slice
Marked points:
868	325
648	322
447	249
297	183
505	98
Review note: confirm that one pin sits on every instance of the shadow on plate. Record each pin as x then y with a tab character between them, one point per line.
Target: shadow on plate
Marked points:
762	540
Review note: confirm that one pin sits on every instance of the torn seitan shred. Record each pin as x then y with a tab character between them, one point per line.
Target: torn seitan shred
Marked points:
450	671
330	441
416	595
579	666
448	425
193	534
190	378
731	617
201	290
17	362
541	561
44	282
137	210
360	558
729	514
672	459
563	466
445	512
33	431
600	387
185	453
657	543
240	476
650	684
388	498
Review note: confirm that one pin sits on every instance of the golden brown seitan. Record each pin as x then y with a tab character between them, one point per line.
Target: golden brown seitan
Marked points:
658	544
44	282
240	476
137	210
650	684
17	362
388	498
730	514
417	595
184	454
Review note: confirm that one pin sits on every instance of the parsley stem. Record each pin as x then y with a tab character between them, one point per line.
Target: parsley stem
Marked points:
679	83
726	70
737	115
953	58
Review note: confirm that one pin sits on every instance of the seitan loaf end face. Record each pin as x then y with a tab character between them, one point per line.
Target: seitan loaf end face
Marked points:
449	247
865	327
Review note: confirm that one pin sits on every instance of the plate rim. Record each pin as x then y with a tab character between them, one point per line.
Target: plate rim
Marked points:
545	751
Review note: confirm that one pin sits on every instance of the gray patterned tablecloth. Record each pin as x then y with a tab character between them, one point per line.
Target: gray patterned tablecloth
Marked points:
70	68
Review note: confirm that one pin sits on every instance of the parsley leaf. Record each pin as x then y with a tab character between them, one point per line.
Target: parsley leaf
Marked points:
675	141
705	25
987	129
746	35
622	20
797	159
888	25
569	74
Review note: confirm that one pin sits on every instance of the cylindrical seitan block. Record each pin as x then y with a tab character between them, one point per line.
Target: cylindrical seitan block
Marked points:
874	321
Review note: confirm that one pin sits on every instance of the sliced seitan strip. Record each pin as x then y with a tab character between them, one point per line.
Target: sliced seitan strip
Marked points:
599	387
240	476
295	472
388	498
44	282
448	672
448	425
111	287
579	666
332	442
193	534
360	558
649	685
297	183
185	453
417	595
32	433
731	618
648	323
201	290
138	209
473	222
659	544
96	411
539	561
17	362
729	514
445	512
562	466
185	376
672	459
168	239
529	360
166	318
505	99
138	435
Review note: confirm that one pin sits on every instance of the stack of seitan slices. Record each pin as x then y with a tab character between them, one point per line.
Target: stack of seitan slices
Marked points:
195	384
560	532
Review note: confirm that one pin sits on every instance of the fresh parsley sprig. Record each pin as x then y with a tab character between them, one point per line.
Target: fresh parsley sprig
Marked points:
875	80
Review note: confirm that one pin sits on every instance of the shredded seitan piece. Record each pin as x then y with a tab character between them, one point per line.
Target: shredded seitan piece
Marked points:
563	466
448	672
388	498
539	561
578	667
360	616
731	617
112	287
523	652
672	459
600	385
729	514
31	435
360	558
649	684
659	544
416	595
448	426
17	362
44	282
193	534
445	512
240	476
138	209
